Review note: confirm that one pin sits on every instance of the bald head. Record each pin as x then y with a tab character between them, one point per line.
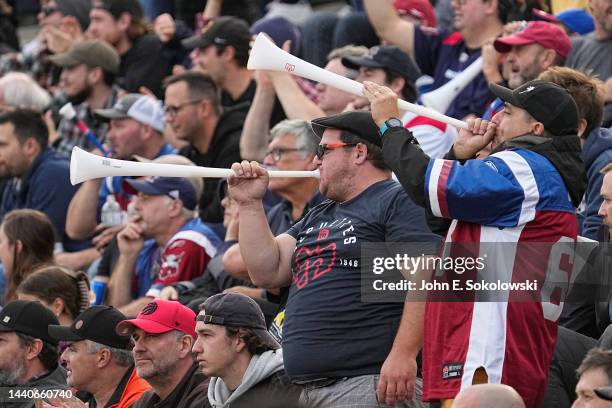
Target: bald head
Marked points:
488	396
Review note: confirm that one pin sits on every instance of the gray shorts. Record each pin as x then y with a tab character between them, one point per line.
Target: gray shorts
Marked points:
352	392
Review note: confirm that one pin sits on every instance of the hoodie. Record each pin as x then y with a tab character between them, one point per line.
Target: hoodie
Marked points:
264	381
596	153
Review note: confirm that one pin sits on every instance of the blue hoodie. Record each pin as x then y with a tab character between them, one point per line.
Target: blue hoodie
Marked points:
596	153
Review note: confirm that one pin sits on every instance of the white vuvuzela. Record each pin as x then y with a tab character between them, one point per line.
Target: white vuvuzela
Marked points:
266	55
87	166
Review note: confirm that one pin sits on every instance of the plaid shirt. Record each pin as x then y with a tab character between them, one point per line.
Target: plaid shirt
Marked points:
35	64
69	134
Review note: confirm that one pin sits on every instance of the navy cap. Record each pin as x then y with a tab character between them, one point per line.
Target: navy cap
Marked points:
358	123
388	57
95	324
178	188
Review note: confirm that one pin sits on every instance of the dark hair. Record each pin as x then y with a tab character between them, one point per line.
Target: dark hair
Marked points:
507	10
48	354
199	86
409	91
108	78
597	358
253	343
37	236
241	54
375	155
27	124
52	282
587	93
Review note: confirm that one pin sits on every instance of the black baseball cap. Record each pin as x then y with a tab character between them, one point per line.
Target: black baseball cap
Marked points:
236	310
546	102
390	57
358	123
222	31
118	7
95	324
28	317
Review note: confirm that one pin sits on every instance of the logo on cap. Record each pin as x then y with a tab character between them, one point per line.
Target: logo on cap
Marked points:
78	325
149	309
6	319
528	89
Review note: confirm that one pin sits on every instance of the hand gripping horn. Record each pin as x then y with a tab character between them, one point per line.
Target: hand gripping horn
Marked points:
266	55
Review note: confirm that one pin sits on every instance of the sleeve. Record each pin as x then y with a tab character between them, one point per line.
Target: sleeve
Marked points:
426	48
407	160
500	191
51	193
182	260
148	67
593	198
295	229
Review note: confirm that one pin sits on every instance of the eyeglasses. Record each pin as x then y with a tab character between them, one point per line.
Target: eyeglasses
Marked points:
174	110
323	147
277	154
48	10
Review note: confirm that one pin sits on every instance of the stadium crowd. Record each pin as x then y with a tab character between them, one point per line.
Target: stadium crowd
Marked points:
252	291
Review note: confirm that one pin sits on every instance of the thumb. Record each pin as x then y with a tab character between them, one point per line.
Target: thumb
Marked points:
287	46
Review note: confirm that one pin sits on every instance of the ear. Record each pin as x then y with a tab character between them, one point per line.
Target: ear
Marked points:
175	208
548	59
124	21
185	346
18	246
582	125
397	85
538	128
492	7
34	349
95	75
361	153
228	53
239	344
147	133
30	147
58	306
205	108
104	358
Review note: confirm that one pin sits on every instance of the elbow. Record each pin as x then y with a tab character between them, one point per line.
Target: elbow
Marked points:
261	282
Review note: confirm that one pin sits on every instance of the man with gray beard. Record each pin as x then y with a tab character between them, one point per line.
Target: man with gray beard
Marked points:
163	334
28	355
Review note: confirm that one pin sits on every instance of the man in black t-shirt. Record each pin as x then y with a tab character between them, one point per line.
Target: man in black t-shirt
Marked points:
359	347
121	23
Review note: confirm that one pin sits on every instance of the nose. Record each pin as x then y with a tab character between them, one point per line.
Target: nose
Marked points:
63	356
497	117
197	346
602	209
194	55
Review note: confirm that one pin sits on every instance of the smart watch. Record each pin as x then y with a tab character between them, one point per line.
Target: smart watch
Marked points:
390	123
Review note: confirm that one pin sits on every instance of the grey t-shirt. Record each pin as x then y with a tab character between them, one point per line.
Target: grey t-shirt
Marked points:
591	55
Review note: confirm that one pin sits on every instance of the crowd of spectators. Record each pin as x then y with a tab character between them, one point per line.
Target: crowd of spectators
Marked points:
252	291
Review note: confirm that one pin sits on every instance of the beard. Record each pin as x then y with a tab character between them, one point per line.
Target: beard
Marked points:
11	375
80	97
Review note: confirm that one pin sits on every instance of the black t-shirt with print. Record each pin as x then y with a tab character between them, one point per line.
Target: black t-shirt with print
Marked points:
328	331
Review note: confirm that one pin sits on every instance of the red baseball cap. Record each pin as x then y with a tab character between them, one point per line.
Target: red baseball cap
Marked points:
161	316
419	9
546	34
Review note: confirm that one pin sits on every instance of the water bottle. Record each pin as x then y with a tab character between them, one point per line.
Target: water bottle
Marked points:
111	212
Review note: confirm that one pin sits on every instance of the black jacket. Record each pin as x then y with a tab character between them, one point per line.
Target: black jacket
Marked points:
275	391
192	391
223	151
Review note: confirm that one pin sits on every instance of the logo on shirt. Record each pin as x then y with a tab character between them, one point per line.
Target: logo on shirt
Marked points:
451	371
312	262
170	266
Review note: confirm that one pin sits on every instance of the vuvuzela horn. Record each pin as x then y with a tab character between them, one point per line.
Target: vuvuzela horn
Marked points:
87	166
266	55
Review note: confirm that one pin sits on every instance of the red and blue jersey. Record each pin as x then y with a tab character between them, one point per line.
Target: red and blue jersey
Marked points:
514	196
